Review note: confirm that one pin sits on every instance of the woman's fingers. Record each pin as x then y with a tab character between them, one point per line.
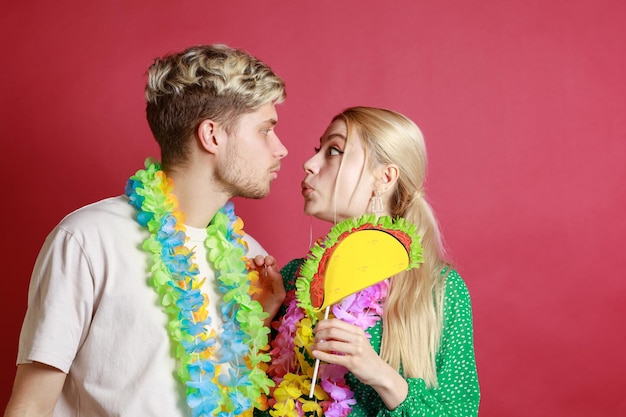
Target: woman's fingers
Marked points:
334	335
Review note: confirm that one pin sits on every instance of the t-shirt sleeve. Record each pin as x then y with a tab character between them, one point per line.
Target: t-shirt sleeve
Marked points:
458	392
60	303
254	247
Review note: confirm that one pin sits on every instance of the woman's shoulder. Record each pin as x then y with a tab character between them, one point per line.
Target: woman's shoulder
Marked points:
292	266
290	272
455	286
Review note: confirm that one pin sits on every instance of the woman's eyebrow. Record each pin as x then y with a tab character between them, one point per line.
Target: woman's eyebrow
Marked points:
332	136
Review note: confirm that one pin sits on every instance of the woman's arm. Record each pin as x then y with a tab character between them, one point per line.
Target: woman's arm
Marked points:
347	345
457	393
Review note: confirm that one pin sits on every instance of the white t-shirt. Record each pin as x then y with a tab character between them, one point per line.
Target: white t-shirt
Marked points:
92	314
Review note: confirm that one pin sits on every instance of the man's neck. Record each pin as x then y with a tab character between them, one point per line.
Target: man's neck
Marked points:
198	197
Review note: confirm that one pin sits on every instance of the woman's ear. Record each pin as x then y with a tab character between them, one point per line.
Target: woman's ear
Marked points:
389	177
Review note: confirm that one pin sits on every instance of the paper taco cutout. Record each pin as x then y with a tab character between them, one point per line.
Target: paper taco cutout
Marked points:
354	255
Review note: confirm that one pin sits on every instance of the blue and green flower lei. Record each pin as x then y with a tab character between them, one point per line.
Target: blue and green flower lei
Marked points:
175	278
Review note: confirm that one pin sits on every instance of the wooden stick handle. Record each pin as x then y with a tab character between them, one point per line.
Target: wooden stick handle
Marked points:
317	362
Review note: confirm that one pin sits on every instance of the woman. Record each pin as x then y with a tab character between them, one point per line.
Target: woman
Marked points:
417	357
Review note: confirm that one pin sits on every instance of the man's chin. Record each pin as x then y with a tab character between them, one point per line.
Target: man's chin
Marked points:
255	195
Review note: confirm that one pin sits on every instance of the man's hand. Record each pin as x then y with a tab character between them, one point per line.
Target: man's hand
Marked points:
269	291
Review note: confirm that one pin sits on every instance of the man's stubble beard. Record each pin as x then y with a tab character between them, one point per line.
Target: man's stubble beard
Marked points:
236	180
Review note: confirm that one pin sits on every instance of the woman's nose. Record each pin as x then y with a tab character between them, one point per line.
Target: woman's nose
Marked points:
310	166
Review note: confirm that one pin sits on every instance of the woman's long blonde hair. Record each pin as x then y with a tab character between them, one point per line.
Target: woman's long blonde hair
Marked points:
413	313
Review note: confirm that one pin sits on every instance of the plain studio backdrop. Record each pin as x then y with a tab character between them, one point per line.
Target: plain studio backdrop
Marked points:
522	103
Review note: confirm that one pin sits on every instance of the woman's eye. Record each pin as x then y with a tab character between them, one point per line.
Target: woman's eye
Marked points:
333	151
330	151
265	131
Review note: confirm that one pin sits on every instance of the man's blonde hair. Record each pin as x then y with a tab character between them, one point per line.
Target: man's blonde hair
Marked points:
204	82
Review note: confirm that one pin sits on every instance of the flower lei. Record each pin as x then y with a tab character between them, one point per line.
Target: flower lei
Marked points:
174	276
291	367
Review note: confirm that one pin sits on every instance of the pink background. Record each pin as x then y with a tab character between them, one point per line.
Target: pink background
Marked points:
522	102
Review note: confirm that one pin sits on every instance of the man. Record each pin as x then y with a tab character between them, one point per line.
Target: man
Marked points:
136	307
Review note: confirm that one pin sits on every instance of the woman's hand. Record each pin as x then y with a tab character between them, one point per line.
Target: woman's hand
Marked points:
347	345
269	291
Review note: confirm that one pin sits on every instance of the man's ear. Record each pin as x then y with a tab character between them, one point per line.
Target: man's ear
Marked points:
210	135
389	177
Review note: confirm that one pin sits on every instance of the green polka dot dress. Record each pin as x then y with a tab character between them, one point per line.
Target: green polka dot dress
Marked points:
458	392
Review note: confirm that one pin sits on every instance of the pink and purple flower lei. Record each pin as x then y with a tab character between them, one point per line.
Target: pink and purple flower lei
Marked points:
291	366
292	362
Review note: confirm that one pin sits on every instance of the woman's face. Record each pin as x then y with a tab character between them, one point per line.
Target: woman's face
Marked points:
354	185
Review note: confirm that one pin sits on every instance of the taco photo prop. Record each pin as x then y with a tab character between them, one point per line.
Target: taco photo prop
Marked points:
354	255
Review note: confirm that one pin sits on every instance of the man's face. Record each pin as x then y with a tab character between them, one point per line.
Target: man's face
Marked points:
252	155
